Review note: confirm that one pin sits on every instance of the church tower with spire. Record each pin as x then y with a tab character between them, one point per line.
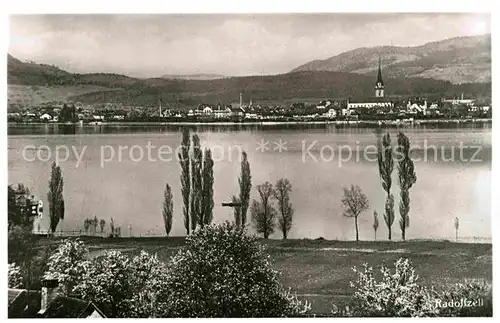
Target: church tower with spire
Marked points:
379	86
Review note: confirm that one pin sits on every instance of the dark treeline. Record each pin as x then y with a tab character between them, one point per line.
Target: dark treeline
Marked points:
275	88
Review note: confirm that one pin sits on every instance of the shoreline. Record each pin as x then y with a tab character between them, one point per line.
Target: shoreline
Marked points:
403	122
279	242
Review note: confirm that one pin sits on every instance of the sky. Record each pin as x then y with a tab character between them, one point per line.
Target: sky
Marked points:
227	44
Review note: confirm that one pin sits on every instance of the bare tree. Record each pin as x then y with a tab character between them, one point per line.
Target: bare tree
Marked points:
55	197
168	209
385	167
263	213
354	202
102	223
285	208
375	223
407	177
457	224
237	211
245	182
86	225
112	227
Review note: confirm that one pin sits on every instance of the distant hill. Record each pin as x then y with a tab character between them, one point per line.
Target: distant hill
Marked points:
31	73
31	83
194	77
51	82
35	95
458	60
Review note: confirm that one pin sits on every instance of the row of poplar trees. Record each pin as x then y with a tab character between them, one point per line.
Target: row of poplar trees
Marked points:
406	179
197	179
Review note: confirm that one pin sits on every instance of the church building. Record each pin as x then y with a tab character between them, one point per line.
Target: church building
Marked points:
379	87
378	100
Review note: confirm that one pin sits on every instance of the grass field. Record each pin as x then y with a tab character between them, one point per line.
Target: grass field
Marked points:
320	271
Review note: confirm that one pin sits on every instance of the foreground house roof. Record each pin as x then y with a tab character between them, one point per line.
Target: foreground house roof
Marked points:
26	304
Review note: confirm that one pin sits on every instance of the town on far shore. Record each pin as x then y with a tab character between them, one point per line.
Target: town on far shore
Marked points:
379	108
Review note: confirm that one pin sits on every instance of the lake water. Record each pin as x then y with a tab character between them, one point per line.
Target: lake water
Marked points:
315	158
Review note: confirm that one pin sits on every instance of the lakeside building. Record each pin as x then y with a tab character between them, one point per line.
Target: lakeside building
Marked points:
28	204
330	114
46	117
324	104
221	112
417	108
237	111
461	100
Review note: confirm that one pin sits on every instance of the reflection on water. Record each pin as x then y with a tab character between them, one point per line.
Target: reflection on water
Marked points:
66	129
131	190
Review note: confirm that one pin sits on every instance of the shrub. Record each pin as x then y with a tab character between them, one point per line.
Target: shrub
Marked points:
397	294
120	286
117	284
38	266
150	277
474	299
66	264
105	281
20	245
223	272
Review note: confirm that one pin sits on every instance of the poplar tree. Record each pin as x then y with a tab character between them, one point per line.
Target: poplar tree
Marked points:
207	200
236	211
245	183
407	177
55	197
385	167
456	224
196	183
167	209
185	177
375	224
